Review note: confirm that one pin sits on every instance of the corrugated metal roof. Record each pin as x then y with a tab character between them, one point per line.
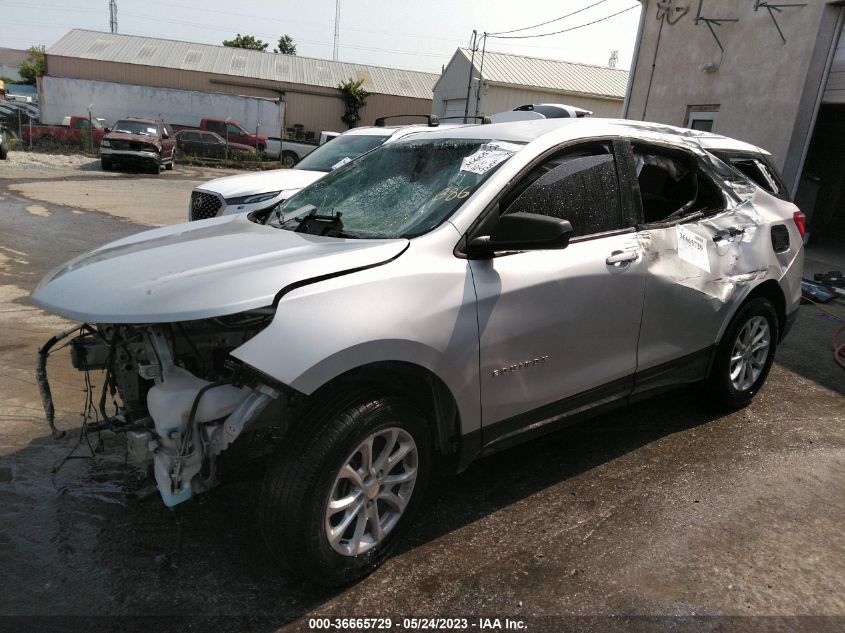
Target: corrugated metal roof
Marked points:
309	71
537	72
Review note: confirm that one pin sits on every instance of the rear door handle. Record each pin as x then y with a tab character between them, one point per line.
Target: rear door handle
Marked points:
622	258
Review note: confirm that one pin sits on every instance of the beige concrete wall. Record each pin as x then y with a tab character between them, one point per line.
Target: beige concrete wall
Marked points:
759	83
315	108
498	98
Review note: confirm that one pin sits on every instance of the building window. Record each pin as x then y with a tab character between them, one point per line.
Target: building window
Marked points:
702	117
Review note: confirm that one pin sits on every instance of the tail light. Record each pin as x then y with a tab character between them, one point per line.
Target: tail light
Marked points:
801	222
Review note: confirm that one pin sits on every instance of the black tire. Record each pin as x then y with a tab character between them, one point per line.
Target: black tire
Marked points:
298	484
106	164
719	382
169	166
155	167
289	159
3	153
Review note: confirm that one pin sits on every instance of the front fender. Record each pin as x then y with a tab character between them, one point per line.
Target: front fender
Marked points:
417	309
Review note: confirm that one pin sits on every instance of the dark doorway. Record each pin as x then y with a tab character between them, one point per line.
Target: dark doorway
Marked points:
821	193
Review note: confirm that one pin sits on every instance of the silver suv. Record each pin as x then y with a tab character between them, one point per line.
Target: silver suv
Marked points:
438	299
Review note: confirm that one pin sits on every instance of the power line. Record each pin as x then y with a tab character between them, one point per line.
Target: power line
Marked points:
525	28
573	28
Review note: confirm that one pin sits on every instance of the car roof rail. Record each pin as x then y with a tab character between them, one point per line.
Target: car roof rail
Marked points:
484	119
433	121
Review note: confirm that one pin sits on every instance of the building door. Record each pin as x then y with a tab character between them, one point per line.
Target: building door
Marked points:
454	107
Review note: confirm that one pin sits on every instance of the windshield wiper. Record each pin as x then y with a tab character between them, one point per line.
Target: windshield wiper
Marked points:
324	225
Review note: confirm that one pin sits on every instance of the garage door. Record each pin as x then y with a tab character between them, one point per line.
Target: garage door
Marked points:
835	89
455	107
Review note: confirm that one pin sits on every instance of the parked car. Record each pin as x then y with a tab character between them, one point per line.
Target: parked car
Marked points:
442	297
231	129
261	190
4	147
74	130
137	141
210	145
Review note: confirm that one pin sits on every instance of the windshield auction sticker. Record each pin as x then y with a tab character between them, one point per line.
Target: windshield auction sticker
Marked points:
485	158
692	248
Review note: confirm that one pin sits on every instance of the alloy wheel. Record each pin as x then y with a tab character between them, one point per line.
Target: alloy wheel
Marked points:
371	491
749	354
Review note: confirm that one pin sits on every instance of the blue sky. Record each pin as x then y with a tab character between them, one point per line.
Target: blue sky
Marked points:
416	34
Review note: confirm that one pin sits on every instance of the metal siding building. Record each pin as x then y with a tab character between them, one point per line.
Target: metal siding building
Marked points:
310	85
507	81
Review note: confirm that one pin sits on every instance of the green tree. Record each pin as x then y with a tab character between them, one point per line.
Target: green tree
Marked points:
34	66
286	45
355	98
246	41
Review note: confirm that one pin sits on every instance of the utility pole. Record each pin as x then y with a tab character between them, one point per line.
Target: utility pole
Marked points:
336	28
471	68
113	15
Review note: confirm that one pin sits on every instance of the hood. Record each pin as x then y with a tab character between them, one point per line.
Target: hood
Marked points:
198	270
124	136
261	182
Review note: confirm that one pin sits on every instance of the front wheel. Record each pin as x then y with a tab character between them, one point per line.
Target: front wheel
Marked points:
336	502
745	355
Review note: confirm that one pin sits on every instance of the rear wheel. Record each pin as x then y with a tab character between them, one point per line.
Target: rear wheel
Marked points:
745	355
336	502
289	159
169	166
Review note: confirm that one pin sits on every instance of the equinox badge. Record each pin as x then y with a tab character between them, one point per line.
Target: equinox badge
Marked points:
522	365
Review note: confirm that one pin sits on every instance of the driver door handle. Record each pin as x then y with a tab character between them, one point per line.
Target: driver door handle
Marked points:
622	258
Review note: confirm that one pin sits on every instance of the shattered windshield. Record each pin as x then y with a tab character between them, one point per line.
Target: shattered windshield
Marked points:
400	190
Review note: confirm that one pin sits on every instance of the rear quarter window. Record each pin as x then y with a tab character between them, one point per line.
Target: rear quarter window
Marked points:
758	170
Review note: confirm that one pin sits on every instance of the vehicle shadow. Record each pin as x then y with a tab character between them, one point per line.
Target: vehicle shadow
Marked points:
502	479
808	349
107	555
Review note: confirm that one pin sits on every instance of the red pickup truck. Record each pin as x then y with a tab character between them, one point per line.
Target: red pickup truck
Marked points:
73	131
235	132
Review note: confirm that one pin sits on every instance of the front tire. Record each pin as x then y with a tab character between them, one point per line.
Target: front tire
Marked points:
106	164
745	354
337	500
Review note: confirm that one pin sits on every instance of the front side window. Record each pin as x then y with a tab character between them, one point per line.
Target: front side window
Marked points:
400	190
341	149
579	185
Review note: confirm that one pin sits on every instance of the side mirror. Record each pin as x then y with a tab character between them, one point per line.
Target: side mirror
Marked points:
523	232
165	135
107	130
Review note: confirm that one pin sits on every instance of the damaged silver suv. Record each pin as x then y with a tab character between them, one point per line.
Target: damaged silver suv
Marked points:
440	298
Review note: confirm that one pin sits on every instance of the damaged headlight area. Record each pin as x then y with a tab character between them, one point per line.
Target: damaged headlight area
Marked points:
177	394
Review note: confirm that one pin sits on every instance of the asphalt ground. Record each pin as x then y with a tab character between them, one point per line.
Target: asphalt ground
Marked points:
669	515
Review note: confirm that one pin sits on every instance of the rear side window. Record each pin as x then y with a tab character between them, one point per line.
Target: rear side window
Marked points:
580	186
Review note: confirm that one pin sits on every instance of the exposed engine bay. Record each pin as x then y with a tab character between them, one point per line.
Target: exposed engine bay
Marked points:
177	394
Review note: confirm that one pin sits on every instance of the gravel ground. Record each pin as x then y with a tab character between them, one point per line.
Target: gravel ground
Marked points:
669	515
